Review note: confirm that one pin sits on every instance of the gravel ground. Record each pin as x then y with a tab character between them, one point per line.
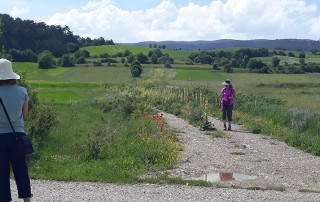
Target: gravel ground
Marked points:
52	191
274	165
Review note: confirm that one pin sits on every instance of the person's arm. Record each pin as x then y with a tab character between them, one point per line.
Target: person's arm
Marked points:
25	110
221	97
233	95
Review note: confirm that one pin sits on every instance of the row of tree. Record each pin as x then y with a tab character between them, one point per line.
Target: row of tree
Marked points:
258	66
245	58
155	56
26	34
157	46
208	57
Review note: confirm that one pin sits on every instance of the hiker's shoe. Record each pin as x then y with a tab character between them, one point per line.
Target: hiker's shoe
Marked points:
229	128
225	127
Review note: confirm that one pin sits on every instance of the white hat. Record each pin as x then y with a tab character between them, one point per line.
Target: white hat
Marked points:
6	72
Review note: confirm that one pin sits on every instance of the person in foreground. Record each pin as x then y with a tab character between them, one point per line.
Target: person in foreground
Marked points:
227	97
15	99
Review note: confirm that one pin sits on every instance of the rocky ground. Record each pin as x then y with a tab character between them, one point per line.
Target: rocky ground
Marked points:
243	159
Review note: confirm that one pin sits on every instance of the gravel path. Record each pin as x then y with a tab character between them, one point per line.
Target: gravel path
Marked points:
51	191
274	165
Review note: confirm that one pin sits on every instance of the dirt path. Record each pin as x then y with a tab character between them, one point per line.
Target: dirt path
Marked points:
274	165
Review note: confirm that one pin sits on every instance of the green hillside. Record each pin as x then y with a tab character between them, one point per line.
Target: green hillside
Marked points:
114	49
181	56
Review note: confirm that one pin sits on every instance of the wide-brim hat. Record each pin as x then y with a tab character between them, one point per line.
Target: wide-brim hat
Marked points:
6	72
227	83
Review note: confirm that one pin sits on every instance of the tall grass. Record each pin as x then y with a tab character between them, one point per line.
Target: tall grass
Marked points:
299	128
272	116
92	145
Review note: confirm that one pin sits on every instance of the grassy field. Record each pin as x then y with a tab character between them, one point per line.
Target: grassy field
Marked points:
112	50
297	90
96	138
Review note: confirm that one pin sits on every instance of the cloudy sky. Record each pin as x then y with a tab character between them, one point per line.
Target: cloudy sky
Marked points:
159	20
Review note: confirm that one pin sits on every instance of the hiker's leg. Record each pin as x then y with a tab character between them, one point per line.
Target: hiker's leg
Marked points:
224	116
27	199
229	112
5	193
20	171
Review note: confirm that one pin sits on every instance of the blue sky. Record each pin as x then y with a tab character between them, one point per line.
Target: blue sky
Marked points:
141	20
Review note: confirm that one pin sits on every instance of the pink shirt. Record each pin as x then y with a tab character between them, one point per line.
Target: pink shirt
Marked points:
226	93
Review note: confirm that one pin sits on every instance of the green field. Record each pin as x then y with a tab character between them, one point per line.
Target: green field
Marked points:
301	91
102	74
282	86
114	49
95	139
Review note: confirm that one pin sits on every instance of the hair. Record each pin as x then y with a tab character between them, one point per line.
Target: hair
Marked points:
228	81
8	81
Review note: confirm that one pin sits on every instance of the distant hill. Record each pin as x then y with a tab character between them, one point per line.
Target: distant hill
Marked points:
287	44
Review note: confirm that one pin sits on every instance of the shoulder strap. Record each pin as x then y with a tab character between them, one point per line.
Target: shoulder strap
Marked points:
5	111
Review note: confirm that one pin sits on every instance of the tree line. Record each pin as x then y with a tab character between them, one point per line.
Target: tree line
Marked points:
246	58
27	35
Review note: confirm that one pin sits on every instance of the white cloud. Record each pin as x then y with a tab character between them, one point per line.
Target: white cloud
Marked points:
96	4
245	19
315	27
18	11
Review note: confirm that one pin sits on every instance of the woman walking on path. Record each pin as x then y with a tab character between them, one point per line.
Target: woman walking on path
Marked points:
227	97
15	99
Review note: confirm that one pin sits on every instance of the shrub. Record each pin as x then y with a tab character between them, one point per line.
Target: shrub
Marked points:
23	56
67	61
95	63
41	118
46	60
82	53
92	148
41	121
167	65
81	60
136	69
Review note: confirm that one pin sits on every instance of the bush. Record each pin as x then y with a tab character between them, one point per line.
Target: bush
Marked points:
227	68
215	66
136	69
108	60
81	60
82	53
92	148
167	65
46	60
23	56
41	121
41	118
96	64
67	61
